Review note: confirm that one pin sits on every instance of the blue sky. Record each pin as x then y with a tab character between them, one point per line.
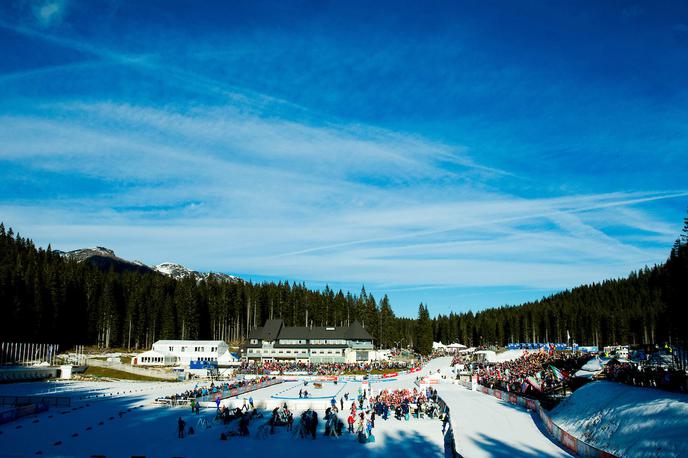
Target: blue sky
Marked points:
462	154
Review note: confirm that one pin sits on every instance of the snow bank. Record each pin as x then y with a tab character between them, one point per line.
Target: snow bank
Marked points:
625	420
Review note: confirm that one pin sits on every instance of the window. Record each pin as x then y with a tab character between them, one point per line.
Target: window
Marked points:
171	348
292	341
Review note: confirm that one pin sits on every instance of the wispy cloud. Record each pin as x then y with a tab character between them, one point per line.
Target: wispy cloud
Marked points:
49	12
187	161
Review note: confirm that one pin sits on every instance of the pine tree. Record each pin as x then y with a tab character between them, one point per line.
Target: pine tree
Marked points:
423	335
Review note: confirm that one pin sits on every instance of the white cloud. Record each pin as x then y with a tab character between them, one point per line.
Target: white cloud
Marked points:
49	12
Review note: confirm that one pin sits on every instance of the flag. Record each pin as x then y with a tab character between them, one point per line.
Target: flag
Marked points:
532	381
557	373
568	336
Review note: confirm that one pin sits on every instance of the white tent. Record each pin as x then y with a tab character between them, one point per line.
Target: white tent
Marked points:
455	347
591	369
438	346
228	359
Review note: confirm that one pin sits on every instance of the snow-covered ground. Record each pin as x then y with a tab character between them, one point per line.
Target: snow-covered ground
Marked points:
627	421
121	419
487	427
124	421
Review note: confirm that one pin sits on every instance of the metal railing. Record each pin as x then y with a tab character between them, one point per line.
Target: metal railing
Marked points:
52	401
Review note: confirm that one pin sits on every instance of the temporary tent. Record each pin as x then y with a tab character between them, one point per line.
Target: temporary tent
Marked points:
592	368
228	359
455	347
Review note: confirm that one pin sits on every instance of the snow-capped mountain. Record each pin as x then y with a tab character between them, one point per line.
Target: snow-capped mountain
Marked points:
177	271
106	259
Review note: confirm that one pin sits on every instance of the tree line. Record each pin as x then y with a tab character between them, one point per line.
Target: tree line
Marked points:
648	306
45	297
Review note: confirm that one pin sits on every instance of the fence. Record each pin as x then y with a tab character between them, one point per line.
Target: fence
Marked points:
449	439
18	412
570	442
209	399
52	401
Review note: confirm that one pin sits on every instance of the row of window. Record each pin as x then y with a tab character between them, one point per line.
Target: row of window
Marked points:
312	341
151	359
195	349
257	351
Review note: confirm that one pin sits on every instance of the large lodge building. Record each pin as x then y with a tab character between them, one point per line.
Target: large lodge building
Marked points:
277	342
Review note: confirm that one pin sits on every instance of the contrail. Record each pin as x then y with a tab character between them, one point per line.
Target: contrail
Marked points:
620	203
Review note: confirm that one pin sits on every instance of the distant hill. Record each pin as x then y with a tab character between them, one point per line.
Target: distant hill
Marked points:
178	272
106	259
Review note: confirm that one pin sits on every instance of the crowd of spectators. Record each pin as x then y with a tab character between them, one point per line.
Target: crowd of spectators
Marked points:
531	373
285	367
460	358
201	391
646	376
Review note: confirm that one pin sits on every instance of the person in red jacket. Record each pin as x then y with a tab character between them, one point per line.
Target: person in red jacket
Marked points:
350	421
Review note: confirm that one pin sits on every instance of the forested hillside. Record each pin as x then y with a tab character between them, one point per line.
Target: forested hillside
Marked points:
45	297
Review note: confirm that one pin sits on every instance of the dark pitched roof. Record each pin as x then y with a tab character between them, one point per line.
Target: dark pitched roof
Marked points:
357	332
295	332
268	332
275	329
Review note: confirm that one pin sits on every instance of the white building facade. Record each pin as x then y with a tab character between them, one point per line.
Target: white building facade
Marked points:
277	342
181	352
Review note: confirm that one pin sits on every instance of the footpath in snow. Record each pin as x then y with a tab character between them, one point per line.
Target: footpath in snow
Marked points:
626	420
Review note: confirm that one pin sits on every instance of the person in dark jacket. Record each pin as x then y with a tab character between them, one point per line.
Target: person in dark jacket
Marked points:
181	424
314	424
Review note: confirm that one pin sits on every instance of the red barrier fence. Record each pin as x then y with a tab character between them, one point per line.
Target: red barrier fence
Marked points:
571	443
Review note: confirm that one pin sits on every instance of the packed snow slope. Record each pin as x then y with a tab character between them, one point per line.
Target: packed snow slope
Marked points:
487	427
627	421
